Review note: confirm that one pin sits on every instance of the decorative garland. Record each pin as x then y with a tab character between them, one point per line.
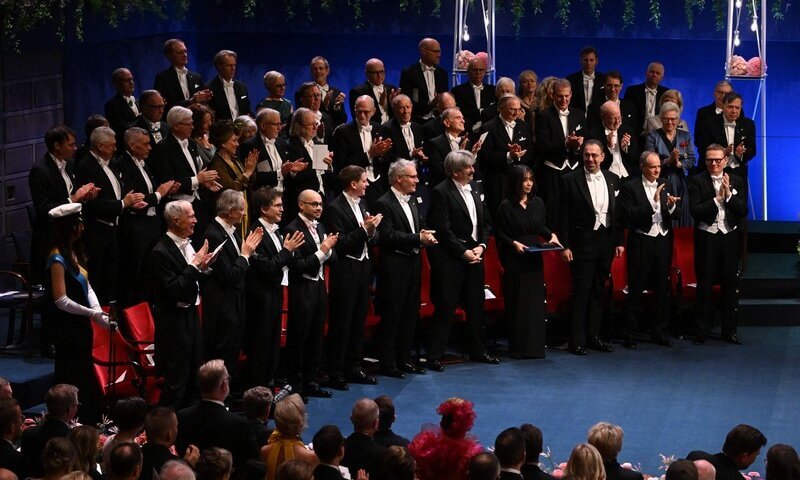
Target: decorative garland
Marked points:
67	16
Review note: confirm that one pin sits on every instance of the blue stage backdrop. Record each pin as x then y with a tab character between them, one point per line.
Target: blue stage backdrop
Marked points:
694	59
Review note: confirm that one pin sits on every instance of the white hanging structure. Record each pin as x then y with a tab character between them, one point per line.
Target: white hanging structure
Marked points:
461	36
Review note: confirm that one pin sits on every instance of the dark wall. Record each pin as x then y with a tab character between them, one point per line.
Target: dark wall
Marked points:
694	59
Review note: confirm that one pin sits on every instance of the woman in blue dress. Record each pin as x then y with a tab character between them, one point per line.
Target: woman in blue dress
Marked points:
675	148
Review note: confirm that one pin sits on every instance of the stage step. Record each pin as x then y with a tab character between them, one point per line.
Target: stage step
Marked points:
770	312
774	237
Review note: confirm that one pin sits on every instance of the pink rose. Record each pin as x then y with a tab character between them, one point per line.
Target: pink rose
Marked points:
483	56
754	67
463	58
738	65
627	466
562	465
558	473
753	474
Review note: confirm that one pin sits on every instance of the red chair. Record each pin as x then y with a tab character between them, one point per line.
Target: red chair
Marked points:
618	280
493	278
557	283
139	323
425	305
685	280
284	315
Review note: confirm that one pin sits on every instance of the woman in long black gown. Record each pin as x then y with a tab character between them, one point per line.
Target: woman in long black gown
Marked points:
520	222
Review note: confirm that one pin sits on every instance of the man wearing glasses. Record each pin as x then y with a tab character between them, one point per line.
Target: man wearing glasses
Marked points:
152	111
424	79
121	109
376	87
474	95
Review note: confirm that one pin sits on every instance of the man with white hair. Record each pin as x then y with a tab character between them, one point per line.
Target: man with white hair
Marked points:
101	214
424	79
274	164
175	271
176	470
176	158
505	86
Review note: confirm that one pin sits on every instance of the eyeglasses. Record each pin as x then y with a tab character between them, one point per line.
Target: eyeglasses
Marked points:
313	204
715	160
156	107
363	112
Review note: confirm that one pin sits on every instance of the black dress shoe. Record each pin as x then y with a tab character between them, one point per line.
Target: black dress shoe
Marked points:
394	373
596	344
338	382
485	358
577	350
661	340
358	376
314	391
629	343
435	365
734	339
412	368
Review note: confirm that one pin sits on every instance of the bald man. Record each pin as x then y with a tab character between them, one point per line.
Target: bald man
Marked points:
433	127
620	146
360	449
424	79
376	87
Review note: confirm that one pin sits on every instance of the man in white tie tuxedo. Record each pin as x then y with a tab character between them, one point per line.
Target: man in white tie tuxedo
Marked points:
647	96
721	88
178	84
619	142
719	208
175	271
229	96
474	95
121	109
733	130
591	234
611	93
152	106
377	88
438	147
424	79
102	213
587	83
332	98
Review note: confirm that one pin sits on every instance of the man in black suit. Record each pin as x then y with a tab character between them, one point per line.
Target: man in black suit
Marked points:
587	83
176	158
229	97
382	93
121	109
52	183
101	214
733	130
223	292
208	423
484	466
474	95
350	276
152	105
266	277
719	207
10	427
533	448
177	84
607	439
507	144
399	270
687	470
647	96
257	406
505	86
559	137
62	406
309	96
360	449
384	434
308	299
433	127
407	136
742	446
161	428
424	79
175	269
722	88
365	144
591	235
274	164
332	100
461	223
139	228
437	148
329	447
648	209
620	147
611	91
509	447
304	176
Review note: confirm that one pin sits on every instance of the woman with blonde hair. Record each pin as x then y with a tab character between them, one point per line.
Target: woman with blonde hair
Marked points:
285	443
544	93
585	463
275	83
526	90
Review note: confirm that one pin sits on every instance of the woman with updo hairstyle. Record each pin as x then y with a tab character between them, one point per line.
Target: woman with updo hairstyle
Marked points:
585	463
295	469
275	83
654	122
285	443
87	445
202	119
59	457
782	463
214	464
445	452
247	127
233	175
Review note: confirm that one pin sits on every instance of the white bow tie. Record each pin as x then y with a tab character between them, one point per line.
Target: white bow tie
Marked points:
182	243
426	68
356	200
272	228
312	225
588	77
716	179
730	124
309	144
651	90
184	143
379	88
466	188
368	128
651	184
404	198
269	141
183	70
595	177
326	88
511	124
565	113
139	162
227	84
406	126
61	164
155	127
478	87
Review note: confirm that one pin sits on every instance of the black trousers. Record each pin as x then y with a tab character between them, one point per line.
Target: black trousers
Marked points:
350	287
308	306
716	258
649	260
102	248
263	335
178	354
398	303
548	184
590	268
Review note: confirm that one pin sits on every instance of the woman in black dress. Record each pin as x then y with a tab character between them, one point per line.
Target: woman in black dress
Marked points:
520	221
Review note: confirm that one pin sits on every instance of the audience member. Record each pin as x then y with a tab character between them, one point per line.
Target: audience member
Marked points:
475	94
509	448
202	119
151	118
6	391
735	132
275	83
59	457
295	469
782	463
129	416
611	91
332	97
585	463
62	406
587	84
742	446
161	428
646	96
361	451
125	462
533	448
424	79
619	141
607	439
654	123
398	464
6	474
176	470
705	470
257	403
505	86
11	419
301	147
86	441
178	84
329	447
721	88
386	417
484	466
121	109
92	123
235	173
433	127
309	96
375	86
285	443
682	470
214	464
273	163
440	146
407	136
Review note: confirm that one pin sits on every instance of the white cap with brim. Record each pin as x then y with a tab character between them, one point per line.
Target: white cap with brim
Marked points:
64	211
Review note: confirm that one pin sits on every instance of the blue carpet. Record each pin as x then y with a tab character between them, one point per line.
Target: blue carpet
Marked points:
668	400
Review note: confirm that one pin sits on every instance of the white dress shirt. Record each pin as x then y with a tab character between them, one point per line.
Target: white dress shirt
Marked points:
311	225
271	230
657	227
187	250
403	200
151	211
720	222
354	207
230	95
599	193
617	166
229	230
466	194
62	169
275	160
183	80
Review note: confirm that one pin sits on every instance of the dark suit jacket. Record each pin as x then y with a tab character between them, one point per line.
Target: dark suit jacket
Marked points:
579	96
208	424
448	215
412	83
532	471
307	179
335	117
436	149
347	148
432	128
35	438
167	84
13	460
168	162
703	114
510	476
726	468
614	471
366	89
174	279
340	218
492	155
304	260
132	179
550	136
637	95
256	143
361	451
266	268
154	457
703	207
141	122
636	211
325	472
388	438
223	292
119	116
713	131
399	148
630	158
106	206
219	102
577	213
48	189
627	109
465	99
